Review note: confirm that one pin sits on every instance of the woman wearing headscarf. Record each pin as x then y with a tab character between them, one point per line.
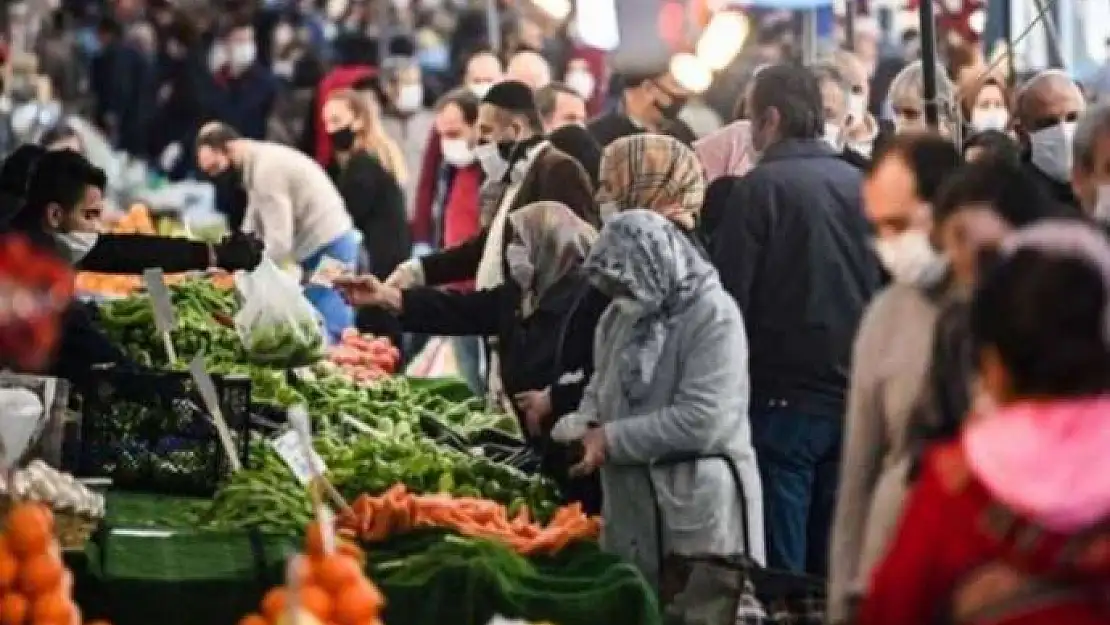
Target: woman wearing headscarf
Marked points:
657	173
670	380
544	316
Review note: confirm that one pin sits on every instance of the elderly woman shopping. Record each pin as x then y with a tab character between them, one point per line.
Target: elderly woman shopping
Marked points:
654	172
544	317
670	380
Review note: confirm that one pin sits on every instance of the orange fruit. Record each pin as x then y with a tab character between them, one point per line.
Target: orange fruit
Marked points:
315	601
40	575
9	568
29	530
273	604
13	609
335	571
98	622
251	619
352	551
357	603
52	607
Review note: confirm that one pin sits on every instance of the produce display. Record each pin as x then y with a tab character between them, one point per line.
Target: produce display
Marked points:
397	511
327	585
270	499
35	585
42	483
362	358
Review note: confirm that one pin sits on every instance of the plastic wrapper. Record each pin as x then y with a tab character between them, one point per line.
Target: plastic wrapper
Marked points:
277	324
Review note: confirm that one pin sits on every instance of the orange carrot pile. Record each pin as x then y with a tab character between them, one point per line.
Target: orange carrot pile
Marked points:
35	587
329	588
397	511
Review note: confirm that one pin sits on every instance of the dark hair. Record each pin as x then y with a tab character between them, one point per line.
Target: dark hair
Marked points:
579	144
995	143
217	135
17	168
931	157
1046	317
794	92
109	26
515	98
61	178
632	80
1003	185
548	96
462	98
59	132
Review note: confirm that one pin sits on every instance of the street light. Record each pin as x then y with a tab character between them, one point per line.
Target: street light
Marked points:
690	72
722	39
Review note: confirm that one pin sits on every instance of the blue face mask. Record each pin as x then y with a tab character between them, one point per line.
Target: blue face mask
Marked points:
88	41
435	59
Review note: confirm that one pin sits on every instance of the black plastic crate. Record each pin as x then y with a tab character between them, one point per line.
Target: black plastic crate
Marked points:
149	431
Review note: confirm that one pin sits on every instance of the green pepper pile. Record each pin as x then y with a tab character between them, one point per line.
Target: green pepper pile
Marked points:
270	498
285	345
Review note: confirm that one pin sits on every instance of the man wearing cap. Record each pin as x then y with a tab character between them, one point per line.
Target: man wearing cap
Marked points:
521	167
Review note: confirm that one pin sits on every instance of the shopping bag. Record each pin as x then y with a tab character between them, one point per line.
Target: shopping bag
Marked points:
277	325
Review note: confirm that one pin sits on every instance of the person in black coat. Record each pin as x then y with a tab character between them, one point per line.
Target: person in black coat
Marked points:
543	316
648	102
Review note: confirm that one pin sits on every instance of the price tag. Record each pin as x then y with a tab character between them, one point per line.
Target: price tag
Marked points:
328	270
288	446
211	401
165	318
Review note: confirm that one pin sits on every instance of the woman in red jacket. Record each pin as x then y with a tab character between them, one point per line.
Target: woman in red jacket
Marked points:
1010	523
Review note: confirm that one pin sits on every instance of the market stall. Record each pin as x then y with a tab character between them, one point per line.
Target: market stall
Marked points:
208	482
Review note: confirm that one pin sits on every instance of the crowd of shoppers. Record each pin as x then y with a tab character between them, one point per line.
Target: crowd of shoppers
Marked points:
825	334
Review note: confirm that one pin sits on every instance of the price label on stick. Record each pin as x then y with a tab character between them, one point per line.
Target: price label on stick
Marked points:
291	451
212	403
165	318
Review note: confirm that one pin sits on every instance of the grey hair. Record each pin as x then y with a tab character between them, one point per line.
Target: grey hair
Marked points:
1094	123
909	84
1022	96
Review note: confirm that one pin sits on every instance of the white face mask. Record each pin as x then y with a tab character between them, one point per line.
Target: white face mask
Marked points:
609	209
990	119
628	306
832	136
862	147
410	97
857	107
909	257
582	82
240	56
217	57
457	152
75	245
480	89
1051	150
490	160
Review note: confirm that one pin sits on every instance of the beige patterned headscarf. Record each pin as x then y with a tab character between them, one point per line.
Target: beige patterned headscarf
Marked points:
549	242
653	172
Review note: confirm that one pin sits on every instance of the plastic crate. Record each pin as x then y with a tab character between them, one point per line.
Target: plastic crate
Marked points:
148	431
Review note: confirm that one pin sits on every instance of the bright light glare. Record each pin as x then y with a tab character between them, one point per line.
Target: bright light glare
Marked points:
977	21
556	9
722	39
596	22
690	72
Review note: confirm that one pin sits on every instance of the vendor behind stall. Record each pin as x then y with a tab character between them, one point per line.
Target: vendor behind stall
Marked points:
293	206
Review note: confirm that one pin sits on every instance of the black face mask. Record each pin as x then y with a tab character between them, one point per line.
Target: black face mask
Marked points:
506	149
229	178
343	139
672	110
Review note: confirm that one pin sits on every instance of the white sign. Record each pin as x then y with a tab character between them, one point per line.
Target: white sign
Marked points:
211	401
288	446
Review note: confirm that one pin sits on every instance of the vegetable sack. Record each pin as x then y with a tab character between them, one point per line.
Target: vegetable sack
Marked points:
277	324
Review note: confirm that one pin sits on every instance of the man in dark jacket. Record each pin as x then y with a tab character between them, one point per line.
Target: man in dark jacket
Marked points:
1048	107
794	250
241	91
515	155
648	103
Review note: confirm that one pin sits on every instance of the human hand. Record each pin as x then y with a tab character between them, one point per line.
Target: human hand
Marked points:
536	408
593	445
407	275
368	291
238	251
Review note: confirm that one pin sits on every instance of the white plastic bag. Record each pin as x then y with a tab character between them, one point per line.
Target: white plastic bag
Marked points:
571	428
22	415
277	325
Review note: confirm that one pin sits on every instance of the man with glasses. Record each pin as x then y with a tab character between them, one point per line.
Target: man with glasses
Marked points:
648	103
1048	109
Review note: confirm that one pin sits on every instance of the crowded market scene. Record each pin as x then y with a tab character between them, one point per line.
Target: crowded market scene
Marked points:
562	312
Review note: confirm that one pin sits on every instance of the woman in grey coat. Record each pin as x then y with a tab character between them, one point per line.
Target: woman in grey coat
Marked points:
670	378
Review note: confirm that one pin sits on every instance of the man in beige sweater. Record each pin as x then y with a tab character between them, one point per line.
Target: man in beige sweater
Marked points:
292	206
